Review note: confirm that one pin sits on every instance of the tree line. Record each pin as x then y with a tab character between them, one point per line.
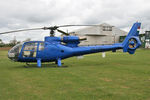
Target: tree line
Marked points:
12	43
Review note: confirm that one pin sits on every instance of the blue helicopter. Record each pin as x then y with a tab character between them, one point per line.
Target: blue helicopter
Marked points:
55	49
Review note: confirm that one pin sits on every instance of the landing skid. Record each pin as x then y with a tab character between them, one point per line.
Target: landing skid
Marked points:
55	65
61	65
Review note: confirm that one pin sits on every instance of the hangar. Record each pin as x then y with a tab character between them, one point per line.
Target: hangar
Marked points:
99	35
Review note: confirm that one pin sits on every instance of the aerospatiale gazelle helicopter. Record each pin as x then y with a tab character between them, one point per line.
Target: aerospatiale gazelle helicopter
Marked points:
55	49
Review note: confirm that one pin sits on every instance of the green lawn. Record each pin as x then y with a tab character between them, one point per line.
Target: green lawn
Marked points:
119	76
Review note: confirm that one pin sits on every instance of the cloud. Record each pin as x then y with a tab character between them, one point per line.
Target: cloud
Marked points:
18	14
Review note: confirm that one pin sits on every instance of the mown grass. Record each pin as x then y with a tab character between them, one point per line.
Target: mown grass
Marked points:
119	76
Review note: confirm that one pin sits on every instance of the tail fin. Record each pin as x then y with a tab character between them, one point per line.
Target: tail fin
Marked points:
132	41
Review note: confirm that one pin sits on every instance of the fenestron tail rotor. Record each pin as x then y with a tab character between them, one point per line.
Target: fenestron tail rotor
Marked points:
52	29
132	43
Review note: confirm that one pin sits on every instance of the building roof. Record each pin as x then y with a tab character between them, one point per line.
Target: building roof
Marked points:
98	30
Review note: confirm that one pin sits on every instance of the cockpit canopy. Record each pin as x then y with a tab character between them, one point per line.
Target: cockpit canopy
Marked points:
14	52
29	50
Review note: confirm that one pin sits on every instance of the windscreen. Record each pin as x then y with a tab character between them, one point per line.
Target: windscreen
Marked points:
14	52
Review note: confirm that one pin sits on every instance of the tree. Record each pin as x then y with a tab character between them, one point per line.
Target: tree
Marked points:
1	41
27	40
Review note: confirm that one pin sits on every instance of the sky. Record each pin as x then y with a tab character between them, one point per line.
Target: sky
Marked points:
22	14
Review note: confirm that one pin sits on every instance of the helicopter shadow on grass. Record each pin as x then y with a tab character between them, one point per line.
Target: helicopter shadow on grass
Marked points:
44	65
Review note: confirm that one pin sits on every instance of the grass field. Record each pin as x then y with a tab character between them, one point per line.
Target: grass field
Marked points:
119	76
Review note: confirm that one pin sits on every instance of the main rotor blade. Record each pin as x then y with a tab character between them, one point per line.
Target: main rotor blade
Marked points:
47	28
75	25
21	30
62	32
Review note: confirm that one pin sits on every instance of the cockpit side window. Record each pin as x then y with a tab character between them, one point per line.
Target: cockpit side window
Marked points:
30	49
30	46
41	46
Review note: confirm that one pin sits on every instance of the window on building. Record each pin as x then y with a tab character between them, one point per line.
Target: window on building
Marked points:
107	28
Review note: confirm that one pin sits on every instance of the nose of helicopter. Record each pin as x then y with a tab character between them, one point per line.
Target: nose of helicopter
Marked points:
13	53
12	56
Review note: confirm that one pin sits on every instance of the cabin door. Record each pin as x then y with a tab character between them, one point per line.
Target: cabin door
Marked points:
30	50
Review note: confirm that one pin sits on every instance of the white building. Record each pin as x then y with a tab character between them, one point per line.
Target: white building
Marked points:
99	35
